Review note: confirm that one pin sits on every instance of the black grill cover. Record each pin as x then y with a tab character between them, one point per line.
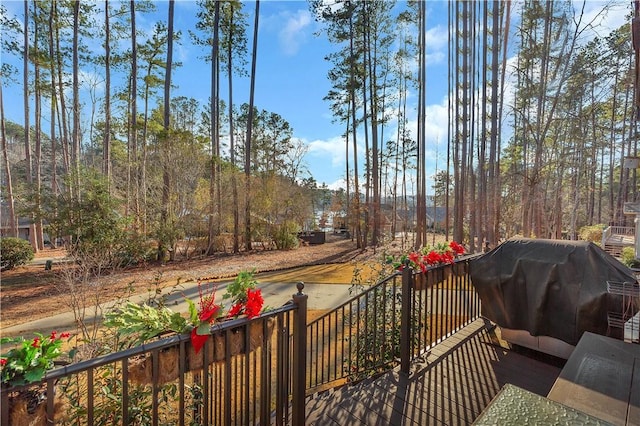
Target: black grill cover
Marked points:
549	287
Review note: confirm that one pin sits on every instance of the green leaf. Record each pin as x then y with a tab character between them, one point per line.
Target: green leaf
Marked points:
203	329
193	311
10	340
178	323
34	375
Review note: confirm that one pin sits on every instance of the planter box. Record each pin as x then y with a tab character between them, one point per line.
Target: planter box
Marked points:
140	369
29	408
217	348
425	280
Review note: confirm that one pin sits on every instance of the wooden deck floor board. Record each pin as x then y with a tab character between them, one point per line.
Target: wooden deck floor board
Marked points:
454	383
428	395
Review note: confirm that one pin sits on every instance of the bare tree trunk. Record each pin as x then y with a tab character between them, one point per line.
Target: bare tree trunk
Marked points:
106	146
421	201
365	124
133	136
460	163
373	172
346	162
62	112
247	151
232	148
452	105
13	223
75	157
37	161
167	219
492	188
54	107
218	163
215	147
27	130
356	197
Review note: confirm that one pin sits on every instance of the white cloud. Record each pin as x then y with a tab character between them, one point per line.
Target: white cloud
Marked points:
437	38
435	58
333	149
340	183
293	34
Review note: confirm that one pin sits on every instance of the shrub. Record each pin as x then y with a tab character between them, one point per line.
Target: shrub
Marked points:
133	249
376	343
286	236
92	224
14	252
628	257
591	233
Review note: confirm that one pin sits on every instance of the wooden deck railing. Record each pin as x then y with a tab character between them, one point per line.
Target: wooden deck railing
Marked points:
616	230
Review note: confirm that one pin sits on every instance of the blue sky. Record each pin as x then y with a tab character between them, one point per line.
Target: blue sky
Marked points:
292	75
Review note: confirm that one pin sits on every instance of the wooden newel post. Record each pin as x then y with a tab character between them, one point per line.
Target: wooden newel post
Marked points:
405	320
299	356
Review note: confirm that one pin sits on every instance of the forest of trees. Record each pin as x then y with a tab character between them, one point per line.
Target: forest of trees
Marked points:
540	119
570	120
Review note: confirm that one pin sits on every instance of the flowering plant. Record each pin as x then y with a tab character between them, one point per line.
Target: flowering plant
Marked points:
31	359
245	297
142	322
421	259
203	317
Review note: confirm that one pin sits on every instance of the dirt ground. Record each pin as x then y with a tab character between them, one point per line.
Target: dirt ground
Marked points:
31	291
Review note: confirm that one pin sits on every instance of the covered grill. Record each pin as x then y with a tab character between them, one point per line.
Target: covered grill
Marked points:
549	287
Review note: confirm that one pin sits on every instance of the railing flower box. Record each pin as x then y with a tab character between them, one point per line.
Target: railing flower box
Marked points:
442	273
140	368
237	343
138	323
28	407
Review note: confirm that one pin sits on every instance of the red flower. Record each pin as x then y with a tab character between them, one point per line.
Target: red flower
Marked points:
3	362
64	335
254	303
448	257
433	258
235	310
414	257
36	342
208	309
198	340
53	335
457	248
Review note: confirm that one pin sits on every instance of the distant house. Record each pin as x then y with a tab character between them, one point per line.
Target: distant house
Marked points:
339	224
23	228
24	224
